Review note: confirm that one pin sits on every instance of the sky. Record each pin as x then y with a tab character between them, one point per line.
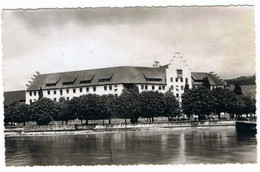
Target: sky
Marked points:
219	39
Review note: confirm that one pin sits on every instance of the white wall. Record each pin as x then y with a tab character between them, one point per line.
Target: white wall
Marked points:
99	90
178	62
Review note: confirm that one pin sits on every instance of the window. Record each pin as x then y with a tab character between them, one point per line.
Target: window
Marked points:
34	93
110	87
74	90
54	91
61	92
50	85
116	95
68	98
115	86
186	80
179	73
153	87
181	87
30	100
176	79
181	79
142	87
87	89
163	87
94	89
67	90
177	95
172	87
80	90
30	93
146	87
160	87
105	88
55	99
171	79
48	92
85	82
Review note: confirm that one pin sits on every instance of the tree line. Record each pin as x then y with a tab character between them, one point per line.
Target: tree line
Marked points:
132	105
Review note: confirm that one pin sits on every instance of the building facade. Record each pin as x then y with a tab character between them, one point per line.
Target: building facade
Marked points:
171	77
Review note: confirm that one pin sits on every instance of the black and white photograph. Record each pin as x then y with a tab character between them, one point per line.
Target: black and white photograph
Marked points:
113	86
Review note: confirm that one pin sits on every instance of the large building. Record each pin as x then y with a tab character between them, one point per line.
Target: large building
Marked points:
173	76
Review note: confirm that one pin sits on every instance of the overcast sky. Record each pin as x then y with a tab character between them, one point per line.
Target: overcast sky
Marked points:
219	39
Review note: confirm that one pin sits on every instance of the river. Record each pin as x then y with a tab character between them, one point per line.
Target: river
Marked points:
147	146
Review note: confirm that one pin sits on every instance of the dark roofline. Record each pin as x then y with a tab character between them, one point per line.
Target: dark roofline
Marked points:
100	69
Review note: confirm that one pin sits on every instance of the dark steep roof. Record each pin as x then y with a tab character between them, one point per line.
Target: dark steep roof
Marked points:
213	80
112	75
11	96
115	75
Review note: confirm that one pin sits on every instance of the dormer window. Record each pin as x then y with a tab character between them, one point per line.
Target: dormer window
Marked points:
105	78
151	78
52	81
86	79
68	79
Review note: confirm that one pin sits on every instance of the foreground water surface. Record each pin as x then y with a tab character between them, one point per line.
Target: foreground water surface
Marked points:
148	146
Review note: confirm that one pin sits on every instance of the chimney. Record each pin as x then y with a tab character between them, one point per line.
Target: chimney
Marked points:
156	64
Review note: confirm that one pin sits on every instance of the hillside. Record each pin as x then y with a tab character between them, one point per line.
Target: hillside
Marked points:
242	80
247	83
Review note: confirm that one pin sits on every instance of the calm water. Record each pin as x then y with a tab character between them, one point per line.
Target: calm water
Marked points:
153	146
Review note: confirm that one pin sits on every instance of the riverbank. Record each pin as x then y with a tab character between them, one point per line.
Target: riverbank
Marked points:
42	131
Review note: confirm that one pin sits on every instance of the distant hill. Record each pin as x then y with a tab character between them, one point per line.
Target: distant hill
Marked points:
242	80
247	83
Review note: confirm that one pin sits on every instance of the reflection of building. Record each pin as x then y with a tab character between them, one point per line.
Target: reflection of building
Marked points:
114	80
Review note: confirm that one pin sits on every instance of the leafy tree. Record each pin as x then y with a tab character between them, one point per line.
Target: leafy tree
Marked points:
23	114
199	101
224	100
151	104
63	111
237	89
10	111
40	93
186	87
110	110
171	105
206	83
87	107
44	118
42	107
128	105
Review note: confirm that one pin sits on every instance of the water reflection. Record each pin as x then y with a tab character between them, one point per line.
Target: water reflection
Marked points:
154	146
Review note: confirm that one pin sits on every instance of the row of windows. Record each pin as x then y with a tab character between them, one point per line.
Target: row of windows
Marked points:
73	90
177	79
177	88
145	87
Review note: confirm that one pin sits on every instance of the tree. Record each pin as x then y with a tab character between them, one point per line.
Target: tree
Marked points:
63	111
10	111
128	105
40	93
110	104
206	83
237	89
224	100
43	107
199	101
171	105
186	87
44	118
151	104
